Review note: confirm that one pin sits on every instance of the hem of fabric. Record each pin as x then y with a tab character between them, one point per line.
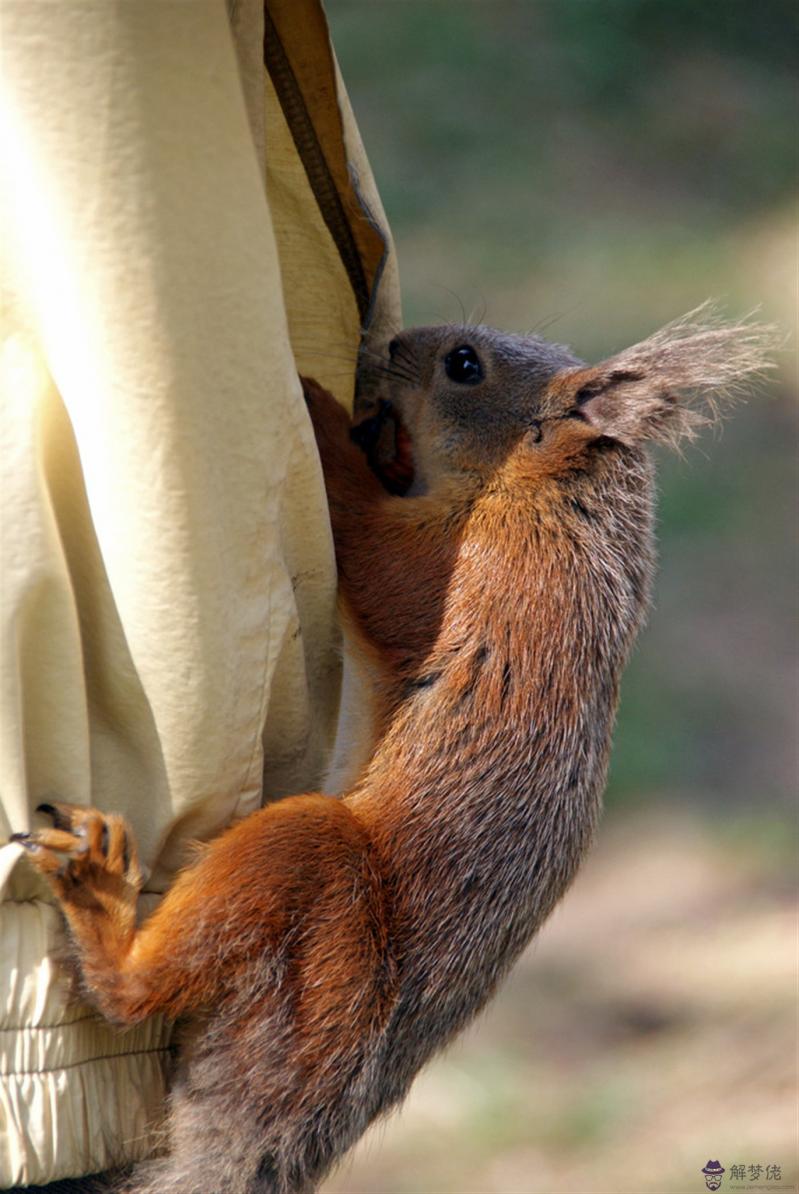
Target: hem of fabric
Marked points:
77	1096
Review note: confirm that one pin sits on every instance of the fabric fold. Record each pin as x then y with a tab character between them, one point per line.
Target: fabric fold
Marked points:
168	638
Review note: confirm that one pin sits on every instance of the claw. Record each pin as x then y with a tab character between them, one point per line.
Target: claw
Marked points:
24	839
60	820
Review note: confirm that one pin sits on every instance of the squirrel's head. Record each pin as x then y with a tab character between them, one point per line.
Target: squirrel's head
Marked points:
458	402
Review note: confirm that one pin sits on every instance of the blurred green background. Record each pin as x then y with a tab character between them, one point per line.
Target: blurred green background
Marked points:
594	168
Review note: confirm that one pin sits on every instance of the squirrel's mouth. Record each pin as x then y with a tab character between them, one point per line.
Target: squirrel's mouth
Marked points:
388	447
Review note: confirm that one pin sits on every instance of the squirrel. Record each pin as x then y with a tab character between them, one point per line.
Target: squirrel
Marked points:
492	517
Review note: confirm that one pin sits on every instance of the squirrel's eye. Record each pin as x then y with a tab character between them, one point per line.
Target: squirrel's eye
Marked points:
463	365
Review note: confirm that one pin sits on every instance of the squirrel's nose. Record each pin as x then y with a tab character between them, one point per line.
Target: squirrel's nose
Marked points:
393	346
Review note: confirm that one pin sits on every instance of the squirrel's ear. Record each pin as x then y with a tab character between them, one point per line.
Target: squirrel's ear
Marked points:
668	386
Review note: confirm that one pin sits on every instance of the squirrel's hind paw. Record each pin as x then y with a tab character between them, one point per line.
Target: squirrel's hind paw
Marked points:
82	846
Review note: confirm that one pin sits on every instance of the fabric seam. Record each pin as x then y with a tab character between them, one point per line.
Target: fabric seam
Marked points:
72	1065
314	162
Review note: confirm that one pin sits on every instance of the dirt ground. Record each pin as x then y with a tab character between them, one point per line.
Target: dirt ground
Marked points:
650	1028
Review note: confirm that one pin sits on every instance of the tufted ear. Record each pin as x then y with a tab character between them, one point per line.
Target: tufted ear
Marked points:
667	387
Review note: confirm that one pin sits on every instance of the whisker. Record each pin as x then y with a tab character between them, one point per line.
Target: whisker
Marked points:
405	355
457	298
405	361
327	356
374	356
407	367
398	375
483	311
549	320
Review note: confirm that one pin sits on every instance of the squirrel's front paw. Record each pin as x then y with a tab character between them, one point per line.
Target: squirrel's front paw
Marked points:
346	471
85	849
331	422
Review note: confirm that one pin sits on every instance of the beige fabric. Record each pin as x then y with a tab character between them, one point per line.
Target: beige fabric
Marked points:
168	643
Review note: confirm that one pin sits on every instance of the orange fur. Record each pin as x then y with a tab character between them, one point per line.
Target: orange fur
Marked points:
324	949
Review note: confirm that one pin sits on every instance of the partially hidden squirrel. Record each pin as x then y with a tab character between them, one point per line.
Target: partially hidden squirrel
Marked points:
492	517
